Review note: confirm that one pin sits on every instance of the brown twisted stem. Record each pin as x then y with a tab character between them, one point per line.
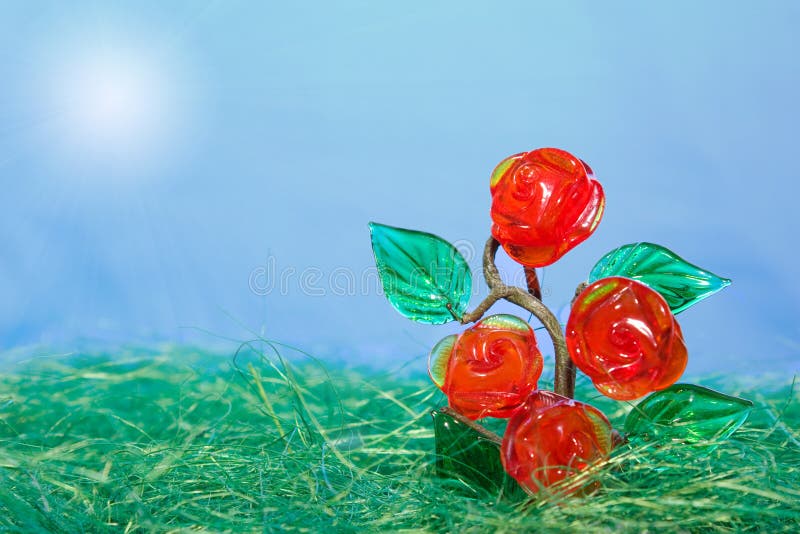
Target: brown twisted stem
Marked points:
565	368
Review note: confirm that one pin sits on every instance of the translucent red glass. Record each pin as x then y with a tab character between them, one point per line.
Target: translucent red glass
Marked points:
622	334
544	203
489	369
551	438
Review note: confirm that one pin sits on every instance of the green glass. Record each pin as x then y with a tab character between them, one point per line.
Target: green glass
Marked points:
678	281
464	454
424	277
685	412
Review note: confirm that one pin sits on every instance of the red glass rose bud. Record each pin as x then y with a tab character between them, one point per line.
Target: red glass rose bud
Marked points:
544	203
551	438
489	369
622	334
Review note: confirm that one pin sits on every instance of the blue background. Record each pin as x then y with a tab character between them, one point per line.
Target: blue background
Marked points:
295	125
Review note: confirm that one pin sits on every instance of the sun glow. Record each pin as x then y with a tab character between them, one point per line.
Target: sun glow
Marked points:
114	109
113	101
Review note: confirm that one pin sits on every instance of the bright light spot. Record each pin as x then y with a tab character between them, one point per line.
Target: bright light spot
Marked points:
114	109
114	104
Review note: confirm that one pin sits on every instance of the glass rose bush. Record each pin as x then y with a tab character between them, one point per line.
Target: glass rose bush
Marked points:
621	332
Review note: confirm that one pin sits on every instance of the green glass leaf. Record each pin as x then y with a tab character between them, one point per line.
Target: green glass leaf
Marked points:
424	277
464	454
685	412
679	282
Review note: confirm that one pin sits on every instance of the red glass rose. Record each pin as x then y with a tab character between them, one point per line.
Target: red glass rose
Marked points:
489	369
544	203
551	438
622	334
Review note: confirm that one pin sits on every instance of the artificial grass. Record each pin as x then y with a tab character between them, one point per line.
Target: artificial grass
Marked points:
184	441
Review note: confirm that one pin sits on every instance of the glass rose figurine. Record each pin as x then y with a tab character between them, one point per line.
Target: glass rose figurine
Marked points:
489	370
544	203
621	332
